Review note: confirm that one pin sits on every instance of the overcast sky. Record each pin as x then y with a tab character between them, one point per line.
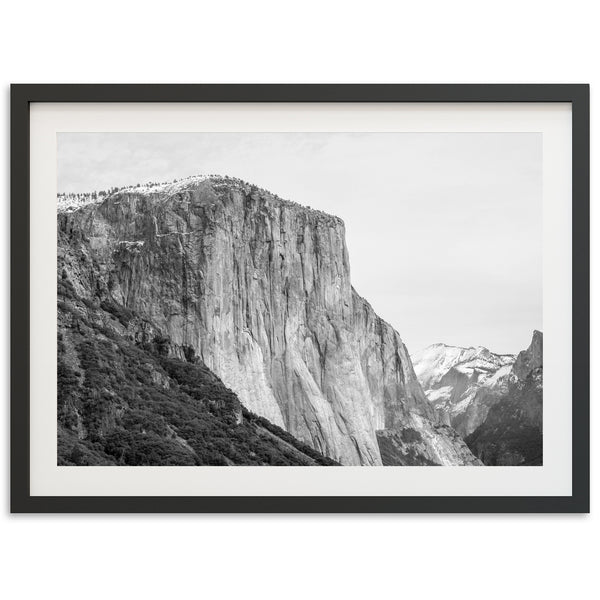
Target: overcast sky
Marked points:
444	231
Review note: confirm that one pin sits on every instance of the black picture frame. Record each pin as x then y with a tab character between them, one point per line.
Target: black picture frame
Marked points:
22	95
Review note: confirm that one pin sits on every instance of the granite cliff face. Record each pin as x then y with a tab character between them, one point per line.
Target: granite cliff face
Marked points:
463	383
512	433
259	289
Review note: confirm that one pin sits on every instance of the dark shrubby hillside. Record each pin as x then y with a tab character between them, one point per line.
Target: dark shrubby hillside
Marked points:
401	448
127	402
512	433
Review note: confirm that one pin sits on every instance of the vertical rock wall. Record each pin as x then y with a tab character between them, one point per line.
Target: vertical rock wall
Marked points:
260	288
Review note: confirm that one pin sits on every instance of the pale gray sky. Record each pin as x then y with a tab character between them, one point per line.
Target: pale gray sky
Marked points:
444	230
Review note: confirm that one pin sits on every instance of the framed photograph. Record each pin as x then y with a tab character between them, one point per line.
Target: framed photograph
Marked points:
300	298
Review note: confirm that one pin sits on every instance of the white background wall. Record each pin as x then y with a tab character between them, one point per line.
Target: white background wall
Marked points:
296	556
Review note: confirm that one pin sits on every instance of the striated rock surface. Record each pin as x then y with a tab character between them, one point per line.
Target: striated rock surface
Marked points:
423	442
259	289
463	383
512	431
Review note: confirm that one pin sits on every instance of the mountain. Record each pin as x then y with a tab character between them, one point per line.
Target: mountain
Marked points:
463	383
512	431
258	289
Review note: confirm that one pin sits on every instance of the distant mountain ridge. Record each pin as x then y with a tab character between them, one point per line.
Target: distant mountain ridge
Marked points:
462	383
494	401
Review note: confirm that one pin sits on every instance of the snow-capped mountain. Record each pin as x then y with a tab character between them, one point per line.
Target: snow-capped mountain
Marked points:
463	383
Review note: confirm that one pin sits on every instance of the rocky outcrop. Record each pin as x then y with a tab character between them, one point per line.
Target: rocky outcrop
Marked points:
512	431
422	442
463	383
531	360
259	289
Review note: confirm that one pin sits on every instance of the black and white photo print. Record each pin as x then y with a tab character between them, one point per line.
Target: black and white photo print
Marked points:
299	299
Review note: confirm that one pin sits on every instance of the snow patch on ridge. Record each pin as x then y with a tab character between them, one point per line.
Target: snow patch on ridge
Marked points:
462	382
168	189
437	360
